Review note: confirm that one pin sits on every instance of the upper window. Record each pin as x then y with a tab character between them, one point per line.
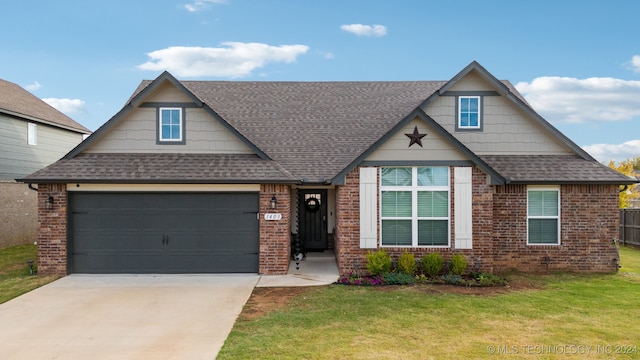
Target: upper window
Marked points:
543	216
32	134
170	125
415	206
469	113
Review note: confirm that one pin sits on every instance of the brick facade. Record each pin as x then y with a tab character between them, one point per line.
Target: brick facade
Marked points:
52	229
588	224
275	235
589	221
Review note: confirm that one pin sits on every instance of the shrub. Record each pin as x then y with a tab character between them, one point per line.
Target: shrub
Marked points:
432	264
485	279
458	264
397	279
378	262
452	279
407	264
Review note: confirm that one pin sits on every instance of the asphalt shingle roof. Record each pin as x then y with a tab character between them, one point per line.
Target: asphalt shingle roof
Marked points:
18	101
163	168
558	169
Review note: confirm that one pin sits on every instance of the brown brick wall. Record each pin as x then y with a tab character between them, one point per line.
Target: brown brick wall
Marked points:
353	259
589	223
275	235
52	234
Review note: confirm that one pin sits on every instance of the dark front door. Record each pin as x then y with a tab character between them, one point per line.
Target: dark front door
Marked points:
312	219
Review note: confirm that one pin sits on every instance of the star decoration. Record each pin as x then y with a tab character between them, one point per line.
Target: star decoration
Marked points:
416	137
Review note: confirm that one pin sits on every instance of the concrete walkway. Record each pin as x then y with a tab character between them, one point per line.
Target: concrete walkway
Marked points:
318	268
124	317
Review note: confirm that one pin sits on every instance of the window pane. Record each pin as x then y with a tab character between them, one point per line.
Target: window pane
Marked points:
464	105
473	105
543	231
396	232
396	204
433	204
464	119
166	132
433	232
543	203
396	176
473	120
437	176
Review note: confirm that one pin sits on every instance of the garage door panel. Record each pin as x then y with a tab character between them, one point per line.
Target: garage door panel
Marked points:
158	233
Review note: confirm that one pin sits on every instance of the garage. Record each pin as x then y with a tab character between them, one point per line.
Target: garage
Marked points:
163	232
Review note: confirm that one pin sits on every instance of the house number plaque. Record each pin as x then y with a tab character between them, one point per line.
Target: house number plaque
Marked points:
273	216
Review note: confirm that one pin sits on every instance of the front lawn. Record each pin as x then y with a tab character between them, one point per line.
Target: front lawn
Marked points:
15	279
551	316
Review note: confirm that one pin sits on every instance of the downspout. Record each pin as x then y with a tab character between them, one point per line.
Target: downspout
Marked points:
31	187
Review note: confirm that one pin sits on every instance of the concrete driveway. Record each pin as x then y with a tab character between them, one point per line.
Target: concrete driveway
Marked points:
124	317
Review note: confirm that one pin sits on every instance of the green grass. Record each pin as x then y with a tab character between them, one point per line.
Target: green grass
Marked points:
15	279
422	322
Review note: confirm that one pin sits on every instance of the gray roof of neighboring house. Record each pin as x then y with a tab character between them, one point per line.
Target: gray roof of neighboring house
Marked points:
16	101
164	168
556	169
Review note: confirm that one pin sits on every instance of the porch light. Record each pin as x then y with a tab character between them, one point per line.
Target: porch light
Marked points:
274	202
49	203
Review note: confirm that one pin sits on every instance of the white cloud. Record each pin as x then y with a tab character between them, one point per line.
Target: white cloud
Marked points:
365	30
616	152
33	87
635	63
327	55
67	106
234	60
571	100
202	5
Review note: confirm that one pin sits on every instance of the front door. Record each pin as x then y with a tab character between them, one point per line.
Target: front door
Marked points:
312	219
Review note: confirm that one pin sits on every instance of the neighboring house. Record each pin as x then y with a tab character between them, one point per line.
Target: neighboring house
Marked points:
217	176
32	136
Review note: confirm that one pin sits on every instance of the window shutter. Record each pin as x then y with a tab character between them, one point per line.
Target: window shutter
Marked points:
368	208
463	201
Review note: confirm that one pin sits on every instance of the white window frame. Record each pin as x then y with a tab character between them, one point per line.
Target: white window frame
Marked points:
459	120
168	140
556	188
414	189
32	134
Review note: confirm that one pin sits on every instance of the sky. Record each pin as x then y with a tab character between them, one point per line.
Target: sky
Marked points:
577	62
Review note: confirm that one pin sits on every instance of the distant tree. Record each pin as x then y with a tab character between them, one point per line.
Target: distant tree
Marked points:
636	163
630	192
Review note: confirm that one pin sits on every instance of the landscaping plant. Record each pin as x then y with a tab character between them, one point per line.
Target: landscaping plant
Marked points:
378	262
458	264
407	264
432	264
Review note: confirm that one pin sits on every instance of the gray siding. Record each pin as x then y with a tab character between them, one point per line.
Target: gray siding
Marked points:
506	129
18	158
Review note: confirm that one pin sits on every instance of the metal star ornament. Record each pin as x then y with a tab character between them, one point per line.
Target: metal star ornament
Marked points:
416	137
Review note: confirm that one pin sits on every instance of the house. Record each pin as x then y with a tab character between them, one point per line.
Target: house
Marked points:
218	176
32	136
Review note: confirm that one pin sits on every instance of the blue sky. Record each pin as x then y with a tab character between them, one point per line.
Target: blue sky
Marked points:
576	62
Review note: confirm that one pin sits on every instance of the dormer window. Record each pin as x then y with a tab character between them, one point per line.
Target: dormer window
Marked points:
170	126
469	113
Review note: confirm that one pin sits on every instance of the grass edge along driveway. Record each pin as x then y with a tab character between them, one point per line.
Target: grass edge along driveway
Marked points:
15	279
559	316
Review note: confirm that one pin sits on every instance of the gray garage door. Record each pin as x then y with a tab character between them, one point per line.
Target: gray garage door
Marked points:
163	232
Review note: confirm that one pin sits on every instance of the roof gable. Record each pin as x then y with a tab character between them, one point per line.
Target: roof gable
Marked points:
507	91
18	102
165	91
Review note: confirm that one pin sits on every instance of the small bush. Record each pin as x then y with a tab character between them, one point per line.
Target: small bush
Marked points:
355	279
397	279
407	264
432	264
452	279
378	262
458	264
485	279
